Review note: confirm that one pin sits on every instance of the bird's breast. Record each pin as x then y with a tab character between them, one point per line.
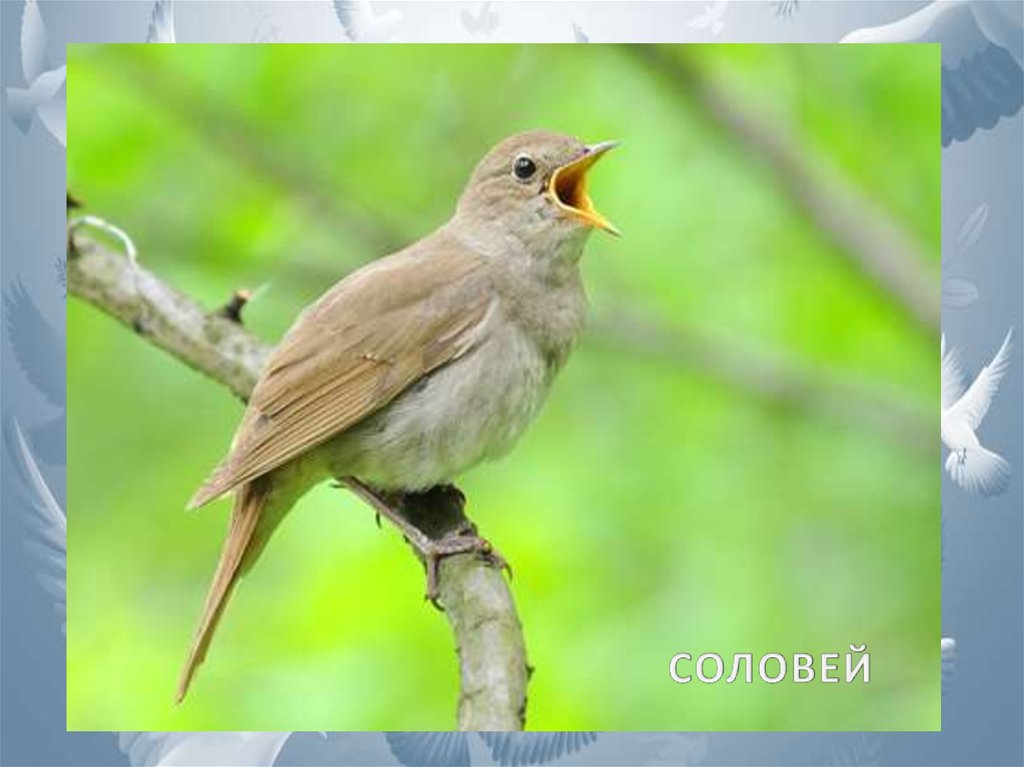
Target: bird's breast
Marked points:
471	410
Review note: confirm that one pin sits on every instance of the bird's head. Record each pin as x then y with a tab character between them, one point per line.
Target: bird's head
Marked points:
533	186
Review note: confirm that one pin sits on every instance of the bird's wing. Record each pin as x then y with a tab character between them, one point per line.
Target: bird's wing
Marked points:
981	80
52	105
514	749
974	403
46	521
372	335
429	749
33	42
952	373
161	23
36	345
163	749
947	646
980	91
347	13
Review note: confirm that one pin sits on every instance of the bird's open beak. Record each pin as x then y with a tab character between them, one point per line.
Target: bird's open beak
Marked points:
568	187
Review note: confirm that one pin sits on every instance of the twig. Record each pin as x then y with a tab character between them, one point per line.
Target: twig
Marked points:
856	225
476	599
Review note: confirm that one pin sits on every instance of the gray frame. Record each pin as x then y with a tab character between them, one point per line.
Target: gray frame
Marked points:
983	195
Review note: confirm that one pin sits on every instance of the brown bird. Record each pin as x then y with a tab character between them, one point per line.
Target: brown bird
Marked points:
419	365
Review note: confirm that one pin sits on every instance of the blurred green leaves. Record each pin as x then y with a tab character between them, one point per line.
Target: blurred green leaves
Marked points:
664	501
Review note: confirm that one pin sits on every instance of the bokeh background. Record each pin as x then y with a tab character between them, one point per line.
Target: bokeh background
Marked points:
739	457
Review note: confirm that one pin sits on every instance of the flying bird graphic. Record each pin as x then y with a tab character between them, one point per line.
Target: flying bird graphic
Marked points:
39	352
484	22
982	75
46	520
711	19
188	749
786	9
361	24
509	749
43	94
972	466
578	35
161	23
948	648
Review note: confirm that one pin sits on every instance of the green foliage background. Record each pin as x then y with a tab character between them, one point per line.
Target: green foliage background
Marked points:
654	508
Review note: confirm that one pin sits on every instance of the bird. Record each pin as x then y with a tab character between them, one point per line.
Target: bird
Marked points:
485	21
947	650
971	465
786	9
419	365
42	95
39	351
361	24
163	749
982	58
711	19
161	23
508	749
45	519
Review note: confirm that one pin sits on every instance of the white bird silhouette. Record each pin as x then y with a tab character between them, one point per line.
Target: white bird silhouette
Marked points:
361	24
948	651
42	95
46	520
982	58
711	19
972	466
161	23
48	524
483	23
193	749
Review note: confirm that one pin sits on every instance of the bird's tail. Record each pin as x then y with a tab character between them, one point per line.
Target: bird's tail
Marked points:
978	470
250	500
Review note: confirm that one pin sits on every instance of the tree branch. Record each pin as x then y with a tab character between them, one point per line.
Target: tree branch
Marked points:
851	221
771	377
476	599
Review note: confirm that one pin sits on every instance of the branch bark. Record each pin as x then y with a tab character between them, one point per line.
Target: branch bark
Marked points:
476	599
852	222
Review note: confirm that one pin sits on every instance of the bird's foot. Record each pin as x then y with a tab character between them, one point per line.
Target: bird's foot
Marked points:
963	455
464	541
431	550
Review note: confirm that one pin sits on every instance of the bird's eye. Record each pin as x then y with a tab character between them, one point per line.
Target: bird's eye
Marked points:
524	167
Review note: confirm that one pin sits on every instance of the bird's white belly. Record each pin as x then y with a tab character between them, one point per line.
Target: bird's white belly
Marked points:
956	434
468	411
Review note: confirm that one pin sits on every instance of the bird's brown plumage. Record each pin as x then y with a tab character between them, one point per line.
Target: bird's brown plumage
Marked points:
367	339
245	517
496	289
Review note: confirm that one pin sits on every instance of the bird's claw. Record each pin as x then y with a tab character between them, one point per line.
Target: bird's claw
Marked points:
434	551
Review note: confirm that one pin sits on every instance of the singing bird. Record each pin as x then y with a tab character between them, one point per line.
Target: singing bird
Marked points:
972	466
419	365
